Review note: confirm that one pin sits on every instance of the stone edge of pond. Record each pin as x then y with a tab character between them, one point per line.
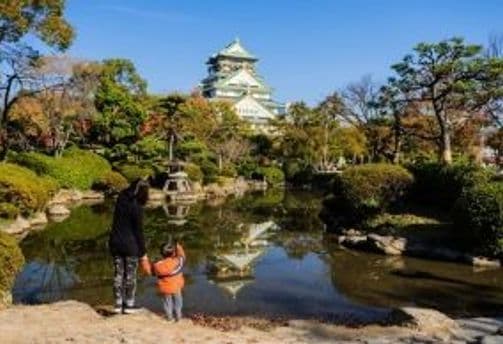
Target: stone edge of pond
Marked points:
414	325
400	246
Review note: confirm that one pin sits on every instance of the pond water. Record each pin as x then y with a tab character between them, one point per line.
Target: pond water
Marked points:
264	254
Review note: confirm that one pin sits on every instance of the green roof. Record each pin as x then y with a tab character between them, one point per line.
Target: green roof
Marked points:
235	49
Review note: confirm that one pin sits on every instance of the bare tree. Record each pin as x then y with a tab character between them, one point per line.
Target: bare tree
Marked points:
495	45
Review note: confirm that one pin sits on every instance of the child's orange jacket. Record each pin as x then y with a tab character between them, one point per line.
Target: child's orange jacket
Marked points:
168	271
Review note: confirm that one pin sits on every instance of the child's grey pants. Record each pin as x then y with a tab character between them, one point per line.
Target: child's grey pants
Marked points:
173	301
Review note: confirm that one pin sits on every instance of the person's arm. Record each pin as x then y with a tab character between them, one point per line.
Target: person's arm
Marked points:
138	229
146	265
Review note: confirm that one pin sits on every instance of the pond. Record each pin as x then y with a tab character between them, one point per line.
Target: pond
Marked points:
265	254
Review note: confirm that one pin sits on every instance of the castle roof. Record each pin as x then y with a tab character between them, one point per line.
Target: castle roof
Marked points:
236	50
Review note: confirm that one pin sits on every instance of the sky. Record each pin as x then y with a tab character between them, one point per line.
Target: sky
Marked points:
307	48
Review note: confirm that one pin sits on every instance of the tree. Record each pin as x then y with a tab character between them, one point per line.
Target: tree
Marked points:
495	141
45	20
119	101
309	136
446	78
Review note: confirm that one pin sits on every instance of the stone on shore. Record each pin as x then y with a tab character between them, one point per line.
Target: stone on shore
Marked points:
58	210
65	196
17	227
93	195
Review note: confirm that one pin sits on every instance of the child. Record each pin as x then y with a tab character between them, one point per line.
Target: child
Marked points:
170	279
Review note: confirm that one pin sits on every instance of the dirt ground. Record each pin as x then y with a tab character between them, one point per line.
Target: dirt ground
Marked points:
75	322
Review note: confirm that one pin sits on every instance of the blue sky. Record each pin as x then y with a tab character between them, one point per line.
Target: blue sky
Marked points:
308	48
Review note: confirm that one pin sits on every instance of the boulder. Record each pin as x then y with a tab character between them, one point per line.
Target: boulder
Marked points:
388	245
18	227
39	219
65	196
484	262
428	321
93	195
358	242
58	210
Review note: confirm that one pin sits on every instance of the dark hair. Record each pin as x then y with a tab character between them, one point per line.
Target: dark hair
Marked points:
167	250
140	189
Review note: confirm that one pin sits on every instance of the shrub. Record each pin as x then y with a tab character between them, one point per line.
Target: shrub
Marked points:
134	172
11	261
228	170
210	171
194	172
77	168
442	185
24	188
369	189
111	183
478	214
272	175
8	211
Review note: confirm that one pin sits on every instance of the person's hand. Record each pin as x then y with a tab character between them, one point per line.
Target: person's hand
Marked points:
145	257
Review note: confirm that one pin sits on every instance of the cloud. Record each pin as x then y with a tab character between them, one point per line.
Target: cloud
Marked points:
170	16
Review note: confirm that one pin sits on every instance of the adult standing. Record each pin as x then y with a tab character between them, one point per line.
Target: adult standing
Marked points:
127	244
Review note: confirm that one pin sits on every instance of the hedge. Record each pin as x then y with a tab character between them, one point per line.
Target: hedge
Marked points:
372	188
194	172
111	183
478	215
11	262
134	172
272	175
24	189
77	168
441	184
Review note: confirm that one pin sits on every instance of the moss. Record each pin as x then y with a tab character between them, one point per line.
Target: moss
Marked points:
111	183
11	261
77	168
134	172
24	188
8	211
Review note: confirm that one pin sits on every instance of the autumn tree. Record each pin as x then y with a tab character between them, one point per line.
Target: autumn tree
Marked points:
43	19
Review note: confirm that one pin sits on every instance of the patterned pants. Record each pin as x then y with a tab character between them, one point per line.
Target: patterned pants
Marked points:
125	280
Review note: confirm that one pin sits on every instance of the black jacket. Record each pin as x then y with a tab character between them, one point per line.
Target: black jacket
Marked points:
126	237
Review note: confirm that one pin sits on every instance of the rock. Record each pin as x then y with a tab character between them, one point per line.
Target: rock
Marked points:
18	227
92	195
352	232
484	262
429	321
65	196
492	340
387	244
39	219
359	242
58	210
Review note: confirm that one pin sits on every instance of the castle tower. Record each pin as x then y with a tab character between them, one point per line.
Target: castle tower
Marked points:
232	76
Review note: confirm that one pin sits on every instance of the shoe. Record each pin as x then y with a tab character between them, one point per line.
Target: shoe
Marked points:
170	320
131	310
117	310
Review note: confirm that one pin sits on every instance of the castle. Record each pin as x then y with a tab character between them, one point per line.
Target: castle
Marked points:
232	76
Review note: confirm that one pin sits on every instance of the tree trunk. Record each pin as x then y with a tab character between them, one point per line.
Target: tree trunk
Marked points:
171	141
446	147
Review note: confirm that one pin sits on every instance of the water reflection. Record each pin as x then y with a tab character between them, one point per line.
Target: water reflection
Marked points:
262	254
232	269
